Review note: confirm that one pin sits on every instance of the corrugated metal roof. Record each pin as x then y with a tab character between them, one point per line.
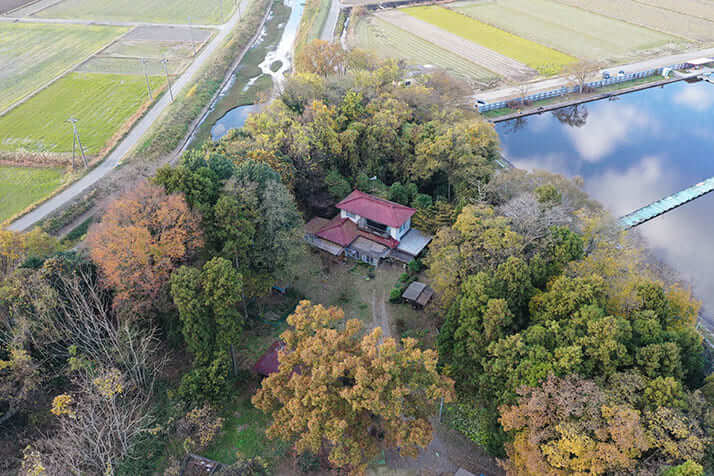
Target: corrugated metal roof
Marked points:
376	209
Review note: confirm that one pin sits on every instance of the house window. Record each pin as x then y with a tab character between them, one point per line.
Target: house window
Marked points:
351	215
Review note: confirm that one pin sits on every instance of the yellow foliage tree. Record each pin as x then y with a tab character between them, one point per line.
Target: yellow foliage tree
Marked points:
343	392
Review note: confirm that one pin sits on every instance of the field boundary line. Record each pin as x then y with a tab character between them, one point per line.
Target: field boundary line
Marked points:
641	25
709	20
458	45
207	109
71	69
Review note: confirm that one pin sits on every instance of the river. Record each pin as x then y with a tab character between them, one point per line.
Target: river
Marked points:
631	151
265	68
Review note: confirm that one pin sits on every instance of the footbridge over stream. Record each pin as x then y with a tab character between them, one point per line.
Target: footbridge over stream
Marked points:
660	207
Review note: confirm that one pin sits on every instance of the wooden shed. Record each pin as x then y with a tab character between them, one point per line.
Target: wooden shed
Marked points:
418	294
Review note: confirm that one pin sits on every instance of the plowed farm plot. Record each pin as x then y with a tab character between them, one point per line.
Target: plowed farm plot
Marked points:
206	12
389	41
674	22
32	55
575	31
545	60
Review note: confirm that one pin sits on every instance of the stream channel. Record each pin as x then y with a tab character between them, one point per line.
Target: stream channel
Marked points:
261	73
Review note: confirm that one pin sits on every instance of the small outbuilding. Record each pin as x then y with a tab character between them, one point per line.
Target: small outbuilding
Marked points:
269	362
418	294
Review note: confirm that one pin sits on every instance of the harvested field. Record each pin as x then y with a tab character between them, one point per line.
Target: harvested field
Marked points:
103	103
31	55
132	66
575	31
151	49
20	187
7	5
695	8
489	59
389	41
545	60
168	33
206	12
639	13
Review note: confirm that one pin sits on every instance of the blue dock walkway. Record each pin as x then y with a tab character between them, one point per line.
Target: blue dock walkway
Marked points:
666	204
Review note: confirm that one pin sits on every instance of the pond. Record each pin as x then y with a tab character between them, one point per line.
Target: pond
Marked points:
630	151
233	119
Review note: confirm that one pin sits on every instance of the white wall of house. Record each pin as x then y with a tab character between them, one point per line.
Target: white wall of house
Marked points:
398	233
352	216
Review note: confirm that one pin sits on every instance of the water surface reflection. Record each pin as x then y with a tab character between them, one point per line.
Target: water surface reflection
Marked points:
631	151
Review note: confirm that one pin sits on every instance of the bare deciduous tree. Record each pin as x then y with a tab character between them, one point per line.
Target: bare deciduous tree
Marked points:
532	219
580	72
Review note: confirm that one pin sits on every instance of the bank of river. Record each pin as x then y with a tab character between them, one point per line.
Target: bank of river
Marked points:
263	67
631	151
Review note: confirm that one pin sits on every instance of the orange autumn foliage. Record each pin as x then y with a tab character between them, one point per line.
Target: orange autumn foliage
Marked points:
141	239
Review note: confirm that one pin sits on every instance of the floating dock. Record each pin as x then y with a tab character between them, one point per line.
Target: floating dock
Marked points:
660	207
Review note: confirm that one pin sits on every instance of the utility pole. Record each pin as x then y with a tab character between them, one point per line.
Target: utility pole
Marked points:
237	5
190	30
146	76
168	80
75	141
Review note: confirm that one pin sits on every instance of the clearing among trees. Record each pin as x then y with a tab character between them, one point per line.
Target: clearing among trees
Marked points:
207	12
34	54
572	30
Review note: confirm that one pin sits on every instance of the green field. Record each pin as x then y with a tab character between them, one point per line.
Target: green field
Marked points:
541	58
101	102
205	12
388	41
20	187
569	29
31	55
118	65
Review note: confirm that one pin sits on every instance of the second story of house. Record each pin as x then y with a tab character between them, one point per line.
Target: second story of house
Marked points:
376	215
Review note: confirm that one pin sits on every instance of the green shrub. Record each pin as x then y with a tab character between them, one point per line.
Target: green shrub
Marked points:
415	266
395	295
403	278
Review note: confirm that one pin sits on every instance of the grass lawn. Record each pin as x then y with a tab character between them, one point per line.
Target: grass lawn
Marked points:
388	41
541	58
31	55
572	30
20	187
102	102
244	434
205	12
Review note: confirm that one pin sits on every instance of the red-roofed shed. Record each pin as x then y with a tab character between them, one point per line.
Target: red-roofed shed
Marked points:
269	362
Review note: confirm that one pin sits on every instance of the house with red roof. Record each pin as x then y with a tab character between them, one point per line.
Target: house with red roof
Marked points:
368	229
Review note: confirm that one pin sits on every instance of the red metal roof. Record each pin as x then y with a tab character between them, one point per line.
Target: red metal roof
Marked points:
376	209
342	231
269	362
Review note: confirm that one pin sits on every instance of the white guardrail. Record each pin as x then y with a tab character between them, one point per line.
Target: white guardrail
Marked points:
566	90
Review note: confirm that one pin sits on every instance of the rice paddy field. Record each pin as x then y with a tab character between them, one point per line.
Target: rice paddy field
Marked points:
206	12
31	55
546	60
668	16
103	103
20	187
566	28
388	41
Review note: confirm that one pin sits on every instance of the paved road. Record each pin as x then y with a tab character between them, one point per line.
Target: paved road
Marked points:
555	83
328	29
131	140
72	21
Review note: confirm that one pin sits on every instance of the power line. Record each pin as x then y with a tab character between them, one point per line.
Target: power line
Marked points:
146	76
168	80
75	141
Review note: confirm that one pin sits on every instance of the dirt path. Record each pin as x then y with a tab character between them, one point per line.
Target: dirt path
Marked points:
473	52
380	312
